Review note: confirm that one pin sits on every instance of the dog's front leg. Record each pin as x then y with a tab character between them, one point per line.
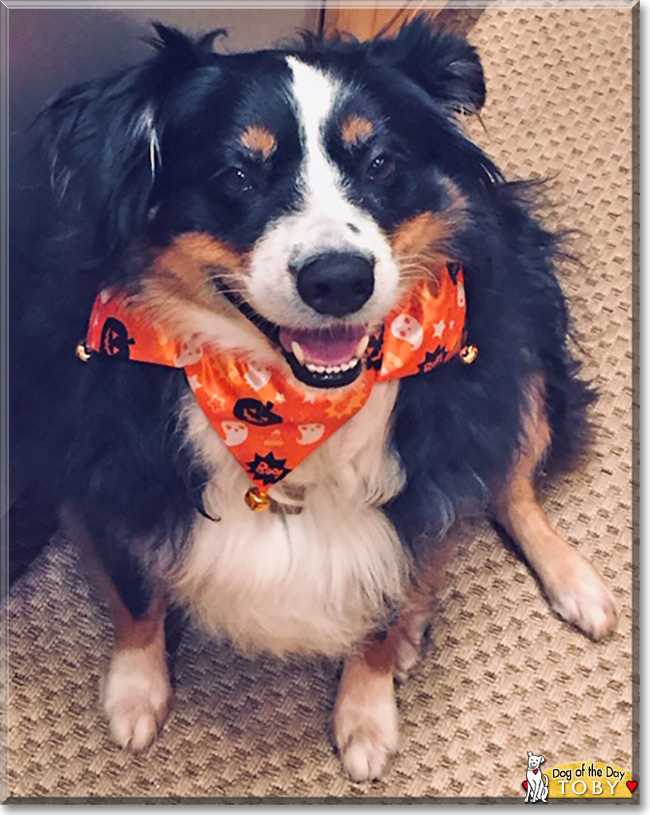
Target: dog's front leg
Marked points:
365	716
137	692
574	588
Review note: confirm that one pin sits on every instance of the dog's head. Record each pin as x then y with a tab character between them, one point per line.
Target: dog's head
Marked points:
534	761
283	201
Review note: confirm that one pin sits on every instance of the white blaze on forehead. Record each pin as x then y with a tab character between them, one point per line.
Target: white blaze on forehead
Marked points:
325	220
314	95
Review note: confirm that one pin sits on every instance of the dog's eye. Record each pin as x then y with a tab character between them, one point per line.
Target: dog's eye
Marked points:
380	168
236	180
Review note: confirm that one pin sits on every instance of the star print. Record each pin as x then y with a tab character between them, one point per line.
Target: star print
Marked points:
280	398
194	382
217	402
310	398
438	328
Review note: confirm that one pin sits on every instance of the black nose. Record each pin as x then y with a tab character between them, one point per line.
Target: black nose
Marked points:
336	283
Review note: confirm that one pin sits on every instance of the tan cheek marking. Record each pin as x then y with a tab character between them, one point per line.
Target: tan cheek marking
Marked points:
259	141
420	234
356	130
423	241
180	276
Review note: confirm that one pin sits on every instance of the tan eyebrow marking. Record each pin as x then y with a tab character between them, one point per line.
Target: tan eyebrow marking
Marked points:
356	130
259	141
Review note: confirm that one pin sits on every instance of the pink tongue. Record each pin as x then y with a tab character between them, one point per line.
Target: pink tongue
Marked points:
328	346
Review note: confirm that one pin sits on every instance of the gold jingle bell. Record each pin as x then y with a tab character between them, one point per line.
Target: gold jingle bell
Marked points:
257	500
468	354
82	351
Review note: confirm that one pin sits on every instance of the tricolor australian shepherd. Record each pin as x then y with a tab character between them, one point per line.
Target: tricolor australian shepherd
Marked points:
283	328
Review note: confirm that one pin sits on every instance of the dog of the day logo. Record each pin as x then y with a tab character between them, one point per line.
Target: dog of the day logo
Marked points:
536	783
577	779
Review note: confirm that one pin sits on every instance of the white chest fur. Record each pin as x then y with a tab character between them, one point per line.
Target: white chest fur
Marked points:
312	582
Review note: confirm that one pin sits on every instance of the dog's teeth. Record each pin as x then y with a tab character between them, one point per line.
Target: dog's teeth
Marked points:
349	365
331	369
361	347
298	353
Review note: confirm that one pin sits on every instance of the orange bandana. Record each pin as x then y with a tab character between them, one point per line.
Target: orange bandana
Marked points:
266	418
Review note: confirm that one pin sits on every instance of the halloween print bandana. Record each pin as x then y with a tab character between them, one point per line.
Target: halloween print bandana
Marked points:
269	421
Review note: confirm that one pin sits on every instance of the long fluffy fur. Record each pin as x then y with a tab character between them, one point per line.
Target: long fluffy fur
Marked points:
120	439
314	582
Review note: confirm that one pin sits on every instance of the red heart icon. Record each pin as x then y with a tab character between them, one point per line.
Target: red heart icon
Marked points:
524	784
534	772
632	785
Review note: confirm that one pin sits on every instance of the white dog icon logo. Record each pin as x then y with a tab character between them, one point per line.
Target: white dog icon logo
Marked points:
536	781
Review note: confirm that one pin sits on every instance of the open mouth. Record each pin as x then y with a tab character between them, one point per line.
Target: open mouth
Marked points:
326	357
322	358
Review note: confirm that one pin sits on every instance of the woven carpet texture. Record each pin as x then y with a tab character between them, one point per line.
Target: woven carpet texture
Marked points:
503	675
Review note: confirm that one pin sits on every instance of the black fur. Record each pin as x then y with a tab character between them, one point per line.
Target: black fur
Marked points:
458	429
108	430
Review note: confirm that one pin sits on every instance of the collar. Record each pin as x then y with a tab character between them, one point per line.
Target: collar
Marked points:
267	419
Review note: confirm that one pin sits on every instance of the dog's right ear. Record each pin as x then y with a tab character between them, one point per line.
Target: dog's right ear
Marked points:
444	65
103	138
530	753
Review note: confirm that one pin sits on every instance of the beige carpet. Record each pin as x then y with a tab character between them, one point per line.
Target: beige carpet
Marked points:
504	675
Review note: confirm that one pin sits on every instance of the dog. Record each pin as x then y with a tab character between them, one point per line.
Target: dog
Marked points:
283	328
537	789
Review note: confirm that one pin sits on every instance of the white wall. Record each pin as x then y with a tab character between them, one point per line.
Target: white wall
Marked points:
51	48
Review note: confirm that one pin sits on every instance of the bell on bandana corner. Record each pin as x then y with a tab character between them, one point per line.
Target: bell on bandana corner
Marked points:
468	354
82	351
257	500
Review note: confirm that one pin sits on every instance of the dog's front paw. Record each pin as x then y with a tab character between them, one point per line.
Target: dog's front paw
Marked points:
579	595
137	698
366	729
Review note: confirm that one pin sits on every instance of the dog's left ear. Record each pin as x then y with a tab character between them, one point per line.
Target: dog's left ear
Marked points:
103	139
447	67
